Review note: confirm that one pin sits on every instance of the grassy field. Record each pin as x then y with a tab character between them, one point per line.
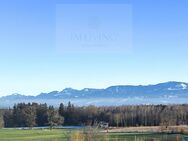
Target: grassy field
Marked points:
33	135
75	135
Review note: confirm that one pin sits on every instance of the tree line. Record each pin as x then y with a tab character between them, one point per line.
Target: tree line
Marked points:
33	114
30	115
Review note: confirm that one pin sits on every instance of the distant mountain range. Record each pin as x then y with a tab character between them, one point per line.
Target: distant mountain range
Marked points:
163	93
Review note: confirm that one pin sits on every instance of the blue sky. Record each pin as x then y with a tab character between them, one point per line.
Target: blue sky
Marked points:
31	62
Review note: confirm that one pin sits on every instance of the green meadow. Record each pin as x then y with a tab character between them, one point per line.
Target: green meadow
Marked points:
33	135
75	135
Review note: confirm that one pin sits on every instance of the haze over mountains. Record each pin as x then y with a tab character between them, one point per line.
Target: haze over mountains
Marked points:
163	93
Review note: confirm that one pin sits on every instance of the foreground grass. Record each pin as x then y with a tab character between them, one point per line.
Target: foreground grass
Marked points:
33	135
76	135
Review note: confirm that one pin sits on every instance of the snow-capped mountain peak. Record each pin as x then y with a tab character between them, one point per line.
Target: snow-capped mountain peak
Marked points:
184	86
